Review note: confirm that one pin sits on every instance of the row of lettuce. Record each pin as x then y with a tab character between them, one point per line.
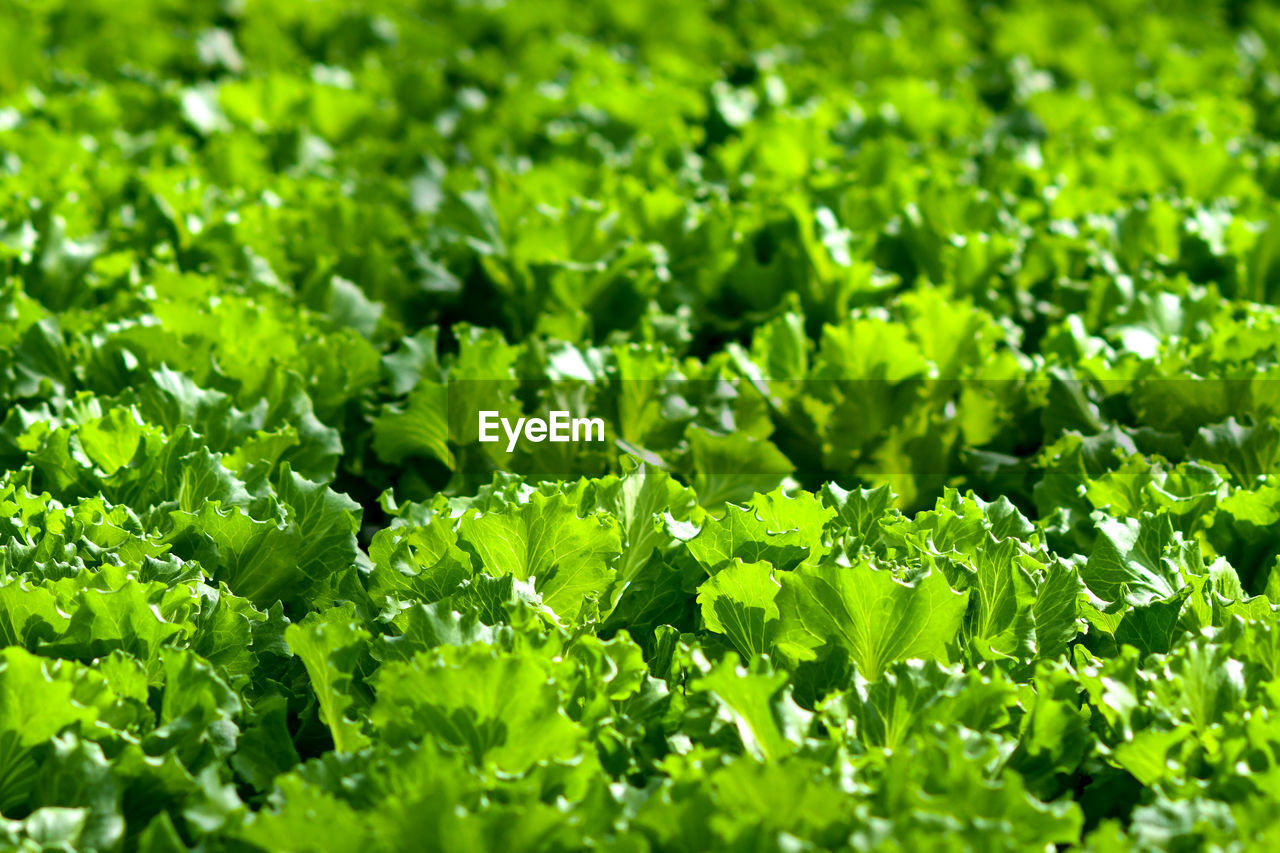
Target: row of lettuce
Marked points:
204	639
936	347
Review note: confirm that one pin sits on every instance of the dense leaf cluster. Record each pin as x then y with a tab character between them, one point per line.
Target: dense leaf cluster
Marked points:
936	344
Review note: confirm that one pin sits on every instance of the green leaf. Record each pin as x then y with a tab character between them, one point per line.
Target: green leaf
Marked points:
257	559
1247	452
498	707
739	601
772	528
304	818
640	499
265	748
419	428
413	360
29	615
868	613
568	556
759	704
733	467
38	698
889	711
425	626
418	562
330	644
326	521
860	511
1002	591
1136	560
127	618
76	775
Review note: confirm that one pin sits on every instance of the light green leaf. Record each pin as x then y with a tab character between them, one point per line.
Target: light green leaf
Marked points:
868	613
570	557
738	601
330	645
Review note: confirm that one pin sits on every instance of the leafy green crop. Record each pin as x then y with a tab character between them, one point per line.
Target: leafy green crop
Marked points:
935	347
